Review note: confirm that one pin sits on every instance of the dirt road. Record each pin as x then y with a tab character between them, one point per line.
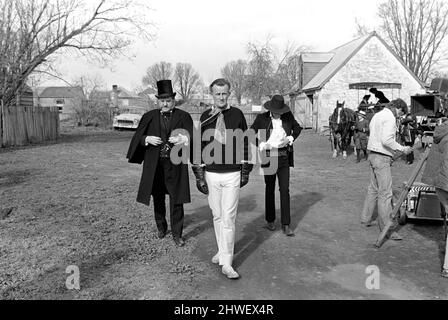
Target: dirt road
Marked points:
74	204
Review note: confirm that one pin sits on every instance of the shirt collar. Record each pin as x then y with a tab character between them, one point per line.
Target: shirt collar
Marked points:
215	109
170	112
272	116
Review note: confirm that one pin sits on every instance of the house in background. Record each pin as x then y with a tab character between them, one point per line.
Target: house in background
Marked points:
67	99
123	99
26	98
325	79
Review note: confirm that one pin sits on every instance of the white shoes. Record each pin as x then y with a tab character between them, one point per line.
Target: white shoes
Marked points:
335	154
344	155
229	272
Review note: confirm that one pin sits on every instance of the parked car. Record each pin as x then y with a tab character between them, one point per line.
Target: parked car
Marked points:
128	119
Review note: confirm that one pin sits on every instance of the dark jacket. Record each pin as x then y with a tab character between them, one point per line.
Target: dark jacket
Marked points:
177	181
408	128
361	129
436	170
290	125
234	119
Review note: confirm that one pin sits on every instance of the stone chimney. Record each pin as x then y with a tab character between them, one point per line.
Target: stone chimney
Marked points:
114	96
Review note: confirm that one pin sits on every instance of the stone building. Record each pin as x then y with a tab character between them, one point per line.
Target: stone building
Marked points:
325	79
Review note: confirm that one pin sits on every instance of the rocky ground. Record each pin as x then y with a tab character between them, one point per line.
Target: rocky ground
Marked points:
73	203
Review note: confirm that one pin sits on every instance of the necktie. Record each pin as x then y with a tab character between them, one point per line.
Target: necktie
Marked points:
220	131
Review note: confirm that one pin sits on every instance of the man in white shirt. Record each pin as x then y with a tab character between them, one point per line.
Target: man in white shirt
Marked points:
382	146
281	130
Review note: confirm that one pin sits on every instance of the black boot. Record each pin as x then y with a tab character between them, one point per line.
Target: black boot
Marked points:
366	156
358	155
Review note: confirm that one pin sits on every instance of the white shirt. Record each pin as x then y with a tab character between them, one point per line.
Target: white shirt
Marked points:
278	135
383	128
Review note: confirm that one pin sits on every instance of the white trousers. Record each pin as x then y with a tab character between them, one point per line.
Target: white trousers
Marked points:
223	197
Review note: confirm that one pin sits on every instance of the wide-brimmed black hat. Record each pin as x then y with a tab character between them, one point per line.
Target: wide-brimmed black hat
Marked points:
277	105
165	89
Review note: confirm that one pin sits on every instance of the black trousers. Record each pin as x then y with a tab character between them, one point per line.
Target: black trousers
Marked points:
283	173
176	210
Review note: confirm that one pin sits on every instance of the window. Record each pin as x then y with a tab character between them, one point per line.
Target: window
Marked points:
60	102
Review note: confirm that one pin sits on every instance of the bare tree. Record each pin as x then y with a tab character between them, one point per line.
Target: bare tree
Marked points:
159	71
361	29
416	29
90	85
34	32
289	68
94	108
271	73
235	72
261	68
187	80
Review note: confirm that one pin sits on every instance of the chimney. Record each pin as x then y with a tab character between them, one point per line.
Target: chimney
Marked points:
114	96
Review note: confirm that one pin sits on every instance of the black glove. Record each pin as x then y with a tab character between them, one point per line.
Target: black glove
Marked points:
246	168
199	173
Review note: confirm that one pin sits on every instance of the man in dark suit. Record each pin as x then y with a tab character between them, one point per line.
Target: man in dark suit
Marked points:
158	132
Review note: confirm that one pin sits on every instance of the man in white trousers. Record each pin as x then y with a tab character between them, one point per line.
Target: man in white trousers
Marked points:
221	174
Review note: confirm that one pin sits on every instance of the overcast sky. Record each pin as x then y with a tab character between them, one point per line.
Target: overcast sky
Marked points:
208	33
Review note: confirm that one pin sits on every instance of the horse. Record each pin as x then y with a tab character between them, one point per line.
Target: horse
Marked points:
341	122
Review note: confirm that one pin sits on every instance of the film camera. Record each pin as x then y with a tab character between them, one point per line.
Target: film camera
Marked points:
430	108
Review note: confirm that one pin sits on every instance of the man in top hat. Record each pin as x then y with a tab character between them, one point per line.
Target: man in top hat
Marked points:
281	130
159	130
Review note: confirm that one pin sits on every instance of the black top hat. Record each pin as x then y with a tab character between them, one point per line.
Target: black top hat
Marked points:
277	105
165	89
366	97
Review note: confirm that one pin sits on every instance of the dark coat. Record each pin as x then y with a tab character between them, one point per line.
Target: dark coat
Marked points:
362	129
290	125
177	179
436	170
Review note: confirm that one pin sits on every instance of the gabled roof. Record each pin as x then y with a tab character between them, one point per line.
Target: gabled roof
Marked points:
317	57
341	56
311	64
62	92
